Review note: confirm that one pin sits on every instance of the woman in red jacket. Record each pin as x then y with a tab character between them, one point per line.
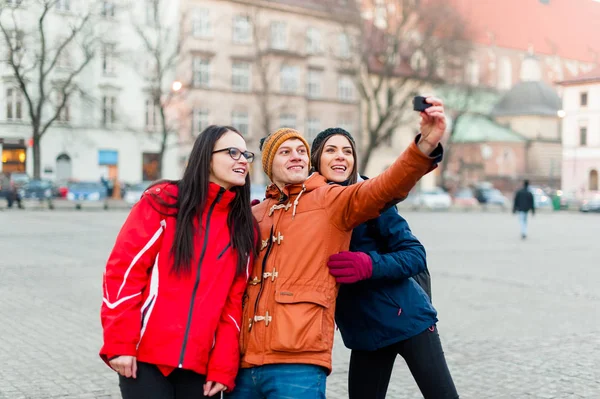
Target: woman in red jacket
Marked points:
174	281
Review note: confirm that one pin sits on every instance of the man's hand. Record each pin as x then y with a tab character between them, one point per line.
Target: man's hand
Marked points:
350	267
125	365
212	388
433	125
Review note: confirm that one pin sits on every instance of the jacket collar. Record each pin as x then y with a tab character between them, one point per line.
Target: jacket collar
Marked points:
313	181
225	196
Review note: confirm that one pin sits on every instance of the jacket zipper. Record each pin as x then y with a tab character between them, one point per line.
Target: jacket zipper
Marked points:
264	264
197	283
223	251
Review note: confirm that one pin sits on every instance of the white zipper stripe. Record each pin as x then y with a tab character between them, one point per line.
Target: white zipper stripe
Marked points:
163	225
235	322
120	301
151	300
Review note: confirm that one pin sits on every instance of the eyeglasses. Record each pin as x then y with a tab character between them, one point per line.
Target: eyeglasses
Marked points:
236	154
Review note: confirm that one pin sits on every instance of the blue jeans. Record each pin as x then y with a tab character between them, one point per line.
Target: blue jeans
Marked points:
523	222
280	381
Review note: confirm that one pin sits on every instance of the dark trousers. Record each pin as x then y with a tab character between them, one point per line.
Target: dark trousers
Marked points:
370	372
152	384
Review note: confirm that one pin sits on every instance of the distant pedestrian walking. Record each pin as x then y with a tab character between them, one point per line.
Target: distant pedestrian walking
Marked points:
522	205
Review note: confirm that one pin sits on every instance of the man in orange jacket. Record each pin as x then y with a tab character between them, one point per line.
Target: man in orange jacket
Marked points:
288	315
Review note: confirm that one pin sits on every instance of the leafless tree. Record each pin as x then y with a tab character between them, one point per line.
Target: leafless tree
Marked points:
265	60
398	48
162	42
45	65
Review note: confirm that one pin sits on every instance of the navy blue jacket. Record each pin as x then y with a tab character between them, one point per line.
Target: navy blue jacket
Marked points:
390	306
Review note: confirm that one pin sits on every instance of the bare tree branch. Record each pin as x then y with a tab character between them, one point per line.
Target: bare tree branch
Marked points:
162	45
34	75
389	40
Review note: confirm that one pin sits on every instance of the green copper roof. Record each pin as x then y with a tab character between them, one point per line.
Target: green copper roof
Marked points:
479	128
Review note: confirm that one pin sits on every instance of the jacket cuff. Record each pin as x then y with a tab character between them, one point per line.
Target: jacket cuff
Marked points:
224	378
110	351
437	154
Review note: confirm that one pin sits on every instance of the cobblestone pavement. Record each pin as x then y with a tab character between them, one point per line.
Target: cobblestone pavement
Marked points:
518	319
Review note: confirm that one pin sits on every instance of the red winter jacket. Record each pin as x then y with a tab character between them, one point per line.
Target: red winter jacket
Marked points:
190	322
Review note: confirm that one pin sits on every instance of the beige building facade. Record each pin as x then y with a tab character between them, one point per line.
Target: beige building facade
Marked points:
262	65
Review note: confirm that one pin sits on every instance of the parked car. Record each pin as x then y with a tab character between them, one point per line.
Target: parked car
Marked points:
134	192
19	179
590	204
39	190
87	193
435	199
491	197
541	199
465	199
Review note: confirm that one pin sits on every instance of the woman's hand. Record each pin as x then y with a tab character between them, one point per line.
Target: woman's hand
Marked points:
125	365
211	388
433	125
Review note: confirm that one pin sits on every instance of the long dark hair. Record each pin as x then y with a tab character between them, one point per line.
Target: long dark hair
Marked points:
191	201
315	158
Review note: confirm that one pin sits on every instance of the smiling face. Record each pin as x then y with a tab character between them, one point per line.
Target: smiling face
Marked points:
337	161
224	170
290	164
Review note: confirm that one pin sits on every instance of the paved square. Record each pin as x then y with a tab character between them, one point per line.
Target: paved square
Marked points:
517	319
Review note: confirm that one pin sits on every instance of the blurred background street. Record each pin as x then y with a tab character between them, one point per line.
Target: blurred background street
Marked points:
518	319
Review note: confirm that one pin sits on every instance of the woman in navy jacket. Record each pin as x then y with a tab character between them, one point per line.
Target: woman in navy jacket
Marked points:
381	310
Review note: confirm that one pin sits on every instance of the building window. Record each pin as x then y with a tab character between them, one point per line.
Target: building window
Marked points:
583	99
418	62
150	166
108	9
108	58
14	104
346	123
241	121
201	26
287	120
109	106
313	41
240	76
289	79
16	40
200	121
152	114
242	32
151	8
313	127
505	74
313	83
343	46
64	59
345	89
278	35
583	136
201	72
64	115
593	180
63	5
473	72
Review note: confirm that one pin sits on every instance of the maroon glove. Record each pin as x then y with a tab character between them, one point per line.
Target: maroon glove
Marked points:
254	202
350	267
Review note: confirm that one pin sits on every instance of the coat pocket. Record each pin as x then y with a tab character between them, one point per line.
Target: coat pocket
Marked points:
300	321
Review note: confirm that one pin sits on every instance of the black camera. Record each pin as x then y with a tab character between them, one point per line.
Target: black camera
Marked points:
419	104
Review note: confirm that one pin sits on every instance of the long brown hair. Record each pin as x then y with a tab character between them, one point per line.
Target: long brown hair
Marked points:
191	201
